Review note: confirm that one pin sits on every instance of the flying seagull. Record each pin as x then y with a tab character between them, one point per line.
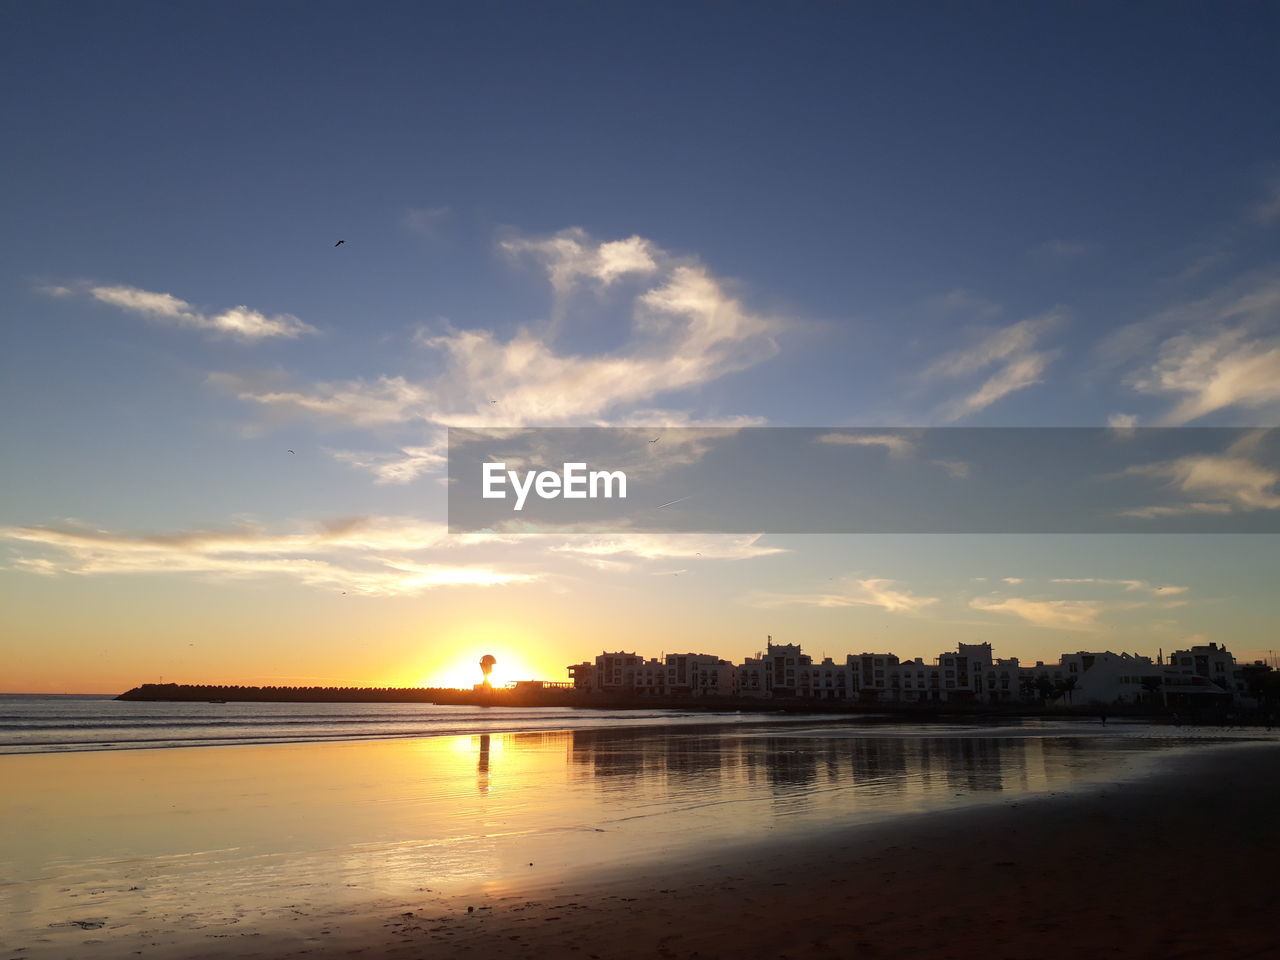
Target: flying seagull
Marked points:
340	243
292	452
655	439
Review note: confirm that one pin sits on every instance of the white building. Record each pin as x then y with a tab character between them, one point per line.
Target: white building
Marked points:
1200	675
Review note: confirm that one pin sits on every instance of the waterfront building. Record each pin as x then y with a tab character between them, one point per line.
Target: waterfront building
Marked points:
1204	674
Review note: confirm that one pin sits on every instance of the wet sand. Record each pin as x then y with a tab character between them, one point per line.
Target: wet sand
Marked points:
1180	864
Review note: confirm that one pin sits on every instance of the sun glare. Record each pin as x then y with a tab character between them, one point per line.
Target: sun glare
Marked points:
465	674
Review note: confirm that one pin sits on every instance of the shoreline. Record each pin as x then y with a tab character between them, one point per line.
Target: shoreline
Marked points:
904	872
1174	863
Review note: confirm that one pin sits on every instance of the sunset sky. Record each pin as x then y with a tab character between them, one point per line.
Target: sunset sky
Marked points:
660	214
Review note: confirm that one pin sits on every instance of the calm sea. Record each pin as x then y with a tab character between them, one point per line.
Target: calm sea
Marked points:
38	723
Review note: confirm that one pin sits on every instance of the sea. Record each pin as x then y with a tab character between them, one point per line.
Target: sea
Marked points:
167	822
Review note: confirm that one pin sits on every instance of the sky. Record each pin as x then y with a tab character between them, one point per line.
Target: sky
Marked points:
224	436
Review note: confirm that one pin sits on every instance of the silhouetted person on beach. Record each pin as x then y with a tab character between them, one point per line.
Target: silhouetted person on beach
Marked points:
486	667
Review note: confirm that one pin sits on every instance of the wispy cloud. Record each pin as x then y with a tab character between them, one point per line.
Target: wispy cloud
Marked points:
870	592
900	446
1215	484
363	555
398	467
240	322
571	257
653	546
686	330
1212	483
1007	360
1160	590
1055	614
1213	354
896	444
429	223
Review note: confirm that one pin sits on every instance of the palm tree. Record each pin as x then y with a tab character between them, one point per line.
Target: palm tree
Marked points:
1065	687
1152	684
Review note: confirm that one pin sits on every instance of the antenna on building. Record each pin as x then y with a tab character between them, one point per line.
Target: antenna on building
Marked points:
1160	657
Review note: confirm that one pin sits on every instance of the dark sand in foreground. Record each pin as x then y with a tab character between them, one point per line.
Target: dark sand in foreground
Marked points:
1182	864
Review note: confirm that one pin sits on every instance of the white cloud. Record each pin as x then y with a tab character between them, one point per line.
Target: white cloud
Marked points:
571	256
386	400
1212	354
240	322
1009	359
1214	370
1056	614
1128	585
1213	483
403	466
869	592
363	555
686	330
896	444
656	546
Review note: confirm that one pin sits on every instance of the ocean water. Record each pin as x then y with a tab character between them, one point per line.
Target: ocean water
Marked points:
263	826
32	723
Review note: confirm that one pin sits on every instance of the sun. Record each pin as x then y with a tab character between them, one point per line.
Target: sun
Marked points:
464	674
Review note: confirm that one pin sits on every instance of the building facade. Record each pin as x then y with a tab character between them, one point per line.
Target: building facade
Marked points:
1205	674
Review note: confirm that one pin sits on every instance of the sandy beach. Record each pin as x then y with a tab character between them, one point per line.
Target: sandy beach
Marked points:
1171	857
1177	865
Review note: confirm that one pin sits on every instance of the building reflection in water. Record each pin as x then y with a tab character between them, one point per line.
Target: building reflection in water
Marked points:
827	772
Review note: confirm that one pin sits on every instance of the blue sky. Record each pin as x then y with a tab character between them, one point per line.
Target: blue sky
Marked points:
799	214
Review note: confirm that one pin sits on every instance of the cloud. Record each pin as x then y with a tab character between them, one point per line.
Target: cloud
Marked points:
403	466
1213	483
428	222
361	555
653	546
686	330
386	400
238	322
1214	370
964	302
1164	590
1055	614
572	256
956	469
1267	210
1212	354
896	444
871	592
1009	359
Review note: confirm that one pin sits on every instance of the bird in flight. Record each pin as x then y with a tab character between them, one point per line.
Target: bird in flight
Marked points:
493	401
655	439
340	243
292	452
